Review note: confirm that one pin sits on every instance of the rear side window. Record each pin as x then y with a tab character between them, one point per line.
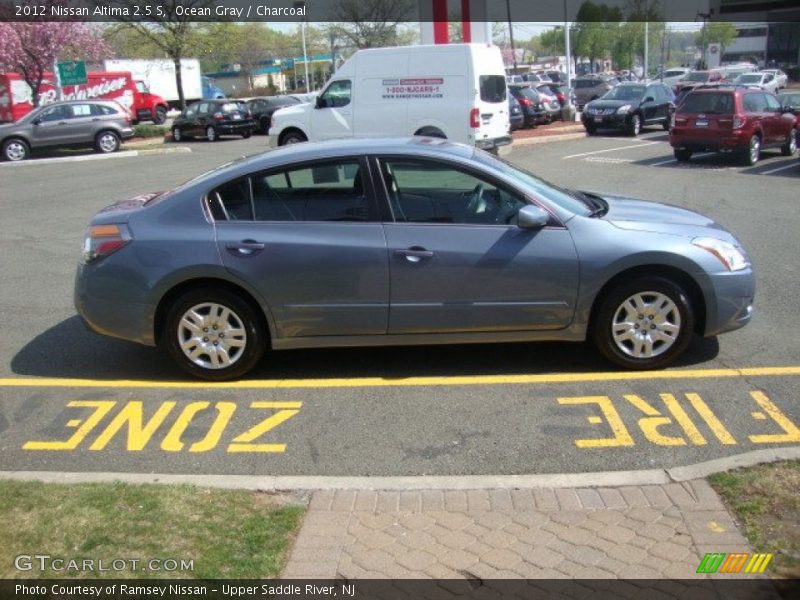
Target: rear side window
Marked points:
101	109
719	103
493	88
755	103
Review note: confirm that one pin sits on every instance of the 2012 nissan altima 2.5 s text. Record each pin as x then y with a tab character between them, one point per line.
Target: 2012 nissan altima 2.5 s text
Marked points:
370	242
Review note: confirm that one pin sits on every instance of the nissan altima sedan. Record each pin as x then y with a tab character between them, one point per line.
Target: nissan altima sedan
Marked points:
411	241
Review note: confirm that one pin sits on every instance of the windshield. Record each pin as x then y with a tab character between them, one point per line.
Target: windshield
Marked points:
697	77
749	79
673	73
563	198
625	92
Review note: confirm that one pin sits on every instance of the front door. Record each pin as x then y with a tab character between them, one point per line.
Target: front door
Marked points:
332	117
52	126
309	239
459	263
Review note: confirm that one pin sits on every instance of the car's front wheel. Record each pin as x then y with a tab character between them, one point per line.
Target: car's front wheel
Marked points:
107	142
635	125
643	324
247	134
213	334
15	150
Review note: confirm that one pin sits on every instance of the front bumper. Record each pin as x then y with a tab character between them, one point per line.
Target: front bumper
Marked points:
272	141
730	306
614	120
127	133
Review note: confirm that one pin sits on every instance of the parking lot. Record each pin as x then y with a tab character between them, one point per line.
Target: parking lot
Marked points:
75	401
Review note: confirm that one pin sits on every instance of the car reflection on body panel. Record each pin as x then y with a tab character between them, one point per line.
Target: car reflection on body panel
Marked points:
409	241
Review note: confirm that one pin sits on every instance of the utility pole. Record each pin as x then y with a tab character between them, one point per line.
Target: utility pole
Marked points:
511	35
305	54
567	50
705	17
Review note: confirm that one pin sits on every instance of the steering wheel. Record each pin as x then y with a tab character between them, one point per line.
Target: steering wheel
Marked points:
475	200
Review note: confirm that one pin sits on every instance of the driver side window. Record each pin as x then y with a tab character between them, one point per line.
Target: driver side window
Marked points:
337	95
432	192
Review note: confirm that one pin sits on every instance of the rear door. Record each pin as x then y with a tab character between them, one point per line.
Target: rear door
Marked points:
308	237
489	78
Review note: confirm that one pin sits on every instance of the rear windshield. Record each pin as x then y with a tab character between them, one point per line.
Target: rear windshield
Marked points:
493	88
230	107
697	77
528	93
673	73
625	92
716	103
750	78
585	83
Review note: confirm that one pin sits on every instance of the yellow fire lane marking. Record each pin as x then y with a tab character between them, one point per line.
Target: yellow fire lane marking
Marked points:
261	384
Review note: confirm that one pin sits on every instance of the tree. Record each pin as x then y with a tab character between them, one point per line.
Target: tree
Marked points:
31	48
594	31
551	42
173	34
373	23
719	32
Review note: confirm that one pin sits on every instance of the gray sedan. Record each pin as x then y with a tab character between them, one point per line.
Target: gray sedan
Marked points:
412	241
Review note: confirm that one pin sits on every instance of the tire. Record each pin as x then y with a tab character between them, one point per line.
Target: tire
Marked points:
666	313
790	147
15	150
247	134
665	124
682	154
590	129
160	115
189	329
106	142
177	136
751	155
634	126
292	137
263	125
211	134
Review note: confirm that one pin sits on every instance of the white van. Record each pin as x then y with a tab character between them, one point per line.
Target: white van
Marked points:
453	91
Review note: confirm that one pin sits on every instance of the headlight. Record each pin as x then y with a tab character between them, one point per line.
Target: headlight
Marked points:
729	255
624	109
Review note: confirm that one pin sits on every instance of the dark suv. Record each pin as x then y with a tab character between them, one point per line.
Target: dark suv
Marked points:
213	118
737	120
630	106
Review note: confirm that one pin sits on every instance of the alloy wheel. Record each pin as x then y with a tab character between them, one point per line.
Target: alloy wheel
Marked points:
646	325
212	336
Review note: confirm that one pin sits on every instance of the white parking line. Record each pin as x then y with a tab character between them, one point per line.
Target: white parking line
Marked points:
664	162
783	168
640	145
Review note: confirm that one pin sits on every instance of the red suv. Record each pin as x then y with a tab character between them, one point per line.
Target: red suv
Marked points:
738	120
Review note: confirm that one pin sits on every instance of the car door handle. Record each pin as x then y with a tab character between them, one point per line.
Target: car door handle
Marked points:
245	247
414	255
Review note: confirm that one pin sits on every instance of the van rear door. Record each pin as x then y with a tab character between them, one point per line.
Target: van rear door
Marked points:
490	121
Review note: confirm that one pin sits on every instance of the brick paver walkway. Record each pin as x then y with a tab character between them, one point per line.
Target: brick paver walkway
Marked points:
627	532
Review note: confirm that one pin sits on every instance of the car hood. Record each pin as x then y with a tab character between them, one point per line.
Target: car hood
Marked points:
641	215
294	111
612	103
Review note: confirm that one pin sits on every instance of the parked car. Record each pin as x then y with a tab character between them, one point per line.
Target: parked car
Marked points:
263	107
672	76
514	79
736	120
212	119
535	108
378	242
557	77
630	106
695	78
589	88
561	92
515	116
103	124
781	78
791	103
549	97
764	81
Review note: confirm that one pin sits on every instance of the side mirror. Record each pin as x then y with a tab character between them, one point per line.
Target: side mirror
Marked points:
649	99
532	217
36	122
320	102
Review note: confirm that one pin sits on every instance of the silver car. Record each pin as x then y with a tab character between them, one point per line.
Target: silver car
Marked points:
412	241
101	124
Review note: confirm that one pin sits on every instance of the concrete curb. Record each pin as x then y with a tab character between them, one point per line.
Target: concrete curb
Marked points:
467	482
88	157
561	137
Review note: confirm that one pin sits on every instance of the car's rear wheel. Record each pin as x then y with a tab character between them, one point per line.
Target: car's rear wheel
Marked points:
790	147
211	134
247	134
665	124
106	142
753	151
682	154
635	125
213	334
15	150
177	136
643	324
263	125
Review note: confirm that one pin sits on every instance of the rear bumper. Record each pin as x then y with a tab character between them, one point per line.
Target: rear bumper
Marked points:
701	141
236	128
489	143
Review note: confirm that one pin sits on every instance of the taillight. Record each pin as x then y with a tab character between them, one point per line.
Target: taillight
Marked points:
475	118
738	121
102	240
676	120
525	101
219	116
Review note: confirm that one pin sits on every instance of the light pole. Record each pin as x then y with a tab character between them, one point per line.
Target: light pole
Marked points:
511	35
299	5
566	46
705	17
